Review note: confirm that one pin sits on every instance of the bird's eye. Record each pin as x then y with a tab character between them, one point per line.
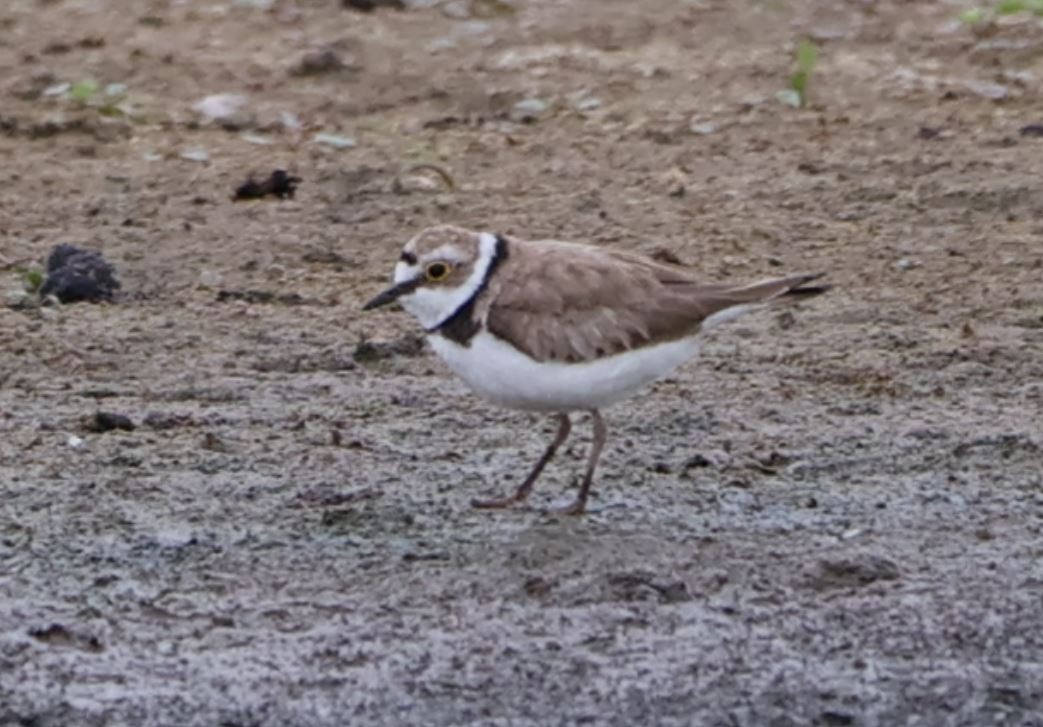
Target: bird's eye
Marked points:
436	271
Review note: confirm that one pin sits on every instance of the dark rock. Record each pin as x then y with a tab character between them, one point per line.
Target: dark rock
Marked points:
697	460
106	421
213	443
319	62
1031	130
537	587
59	635
368	6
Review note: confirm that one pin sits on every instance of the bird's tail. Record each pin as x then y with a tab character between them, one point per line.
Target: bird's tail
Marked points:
790	289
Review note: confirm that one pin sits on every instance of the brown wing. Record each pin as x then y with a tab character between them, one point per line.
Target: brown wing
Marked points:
563	302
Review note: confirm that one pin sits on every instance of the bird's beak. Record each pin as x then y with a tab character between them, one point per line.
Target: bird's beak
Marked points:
393	293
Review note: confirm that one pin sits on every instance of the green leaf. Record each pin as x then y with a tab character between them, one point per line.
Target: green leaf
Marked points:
973	16
32	279
799	83
1010	7
807	56
83	90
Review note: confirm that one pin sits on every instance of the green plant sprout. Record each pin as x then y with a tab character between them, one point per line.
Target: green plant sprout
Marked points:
32	279
83	91
797	93
978	14
109	101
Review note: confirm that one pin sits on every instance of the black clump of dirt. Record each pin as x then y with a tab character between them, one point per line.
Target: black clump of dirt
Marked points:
59	635
279	183
368	6
106	421
319	62
75	275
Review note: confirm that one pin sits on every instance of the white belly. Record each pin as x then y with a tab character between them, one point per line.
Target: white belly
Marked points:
504	375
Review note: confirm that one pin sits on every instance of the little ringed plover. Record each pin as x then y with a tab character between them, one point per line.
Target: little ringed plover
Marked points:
559	327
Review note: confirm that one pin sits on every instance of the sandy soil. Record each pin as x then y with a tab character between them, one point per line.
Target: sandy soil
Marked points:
834	517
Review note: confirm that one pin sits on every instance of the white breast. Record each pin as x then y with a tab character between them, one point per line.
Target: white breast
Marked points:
505	376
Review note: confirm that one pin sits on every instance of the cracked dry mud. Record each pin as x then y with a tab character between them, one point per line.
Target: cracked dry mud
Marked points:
833	517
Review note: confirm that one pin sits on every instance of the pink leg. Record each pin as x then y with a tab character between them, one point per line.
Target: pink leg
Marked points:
520	495
580	503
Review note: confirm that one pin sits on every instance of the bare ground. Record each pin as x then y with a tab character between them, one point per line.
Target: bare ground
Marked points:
833	517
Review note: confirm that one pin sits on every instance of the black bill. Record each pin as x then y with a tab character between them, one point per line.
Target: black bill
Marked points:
393	293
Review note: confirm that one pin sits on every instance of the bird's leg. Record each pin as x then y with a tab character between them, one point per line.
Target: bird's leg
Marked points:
564	427
600	432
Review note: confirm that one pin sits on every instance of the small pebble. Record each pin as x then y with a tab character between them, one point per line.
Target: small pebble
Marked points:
222	108
586	103
528	110
337	142
195	155
703	128
987	89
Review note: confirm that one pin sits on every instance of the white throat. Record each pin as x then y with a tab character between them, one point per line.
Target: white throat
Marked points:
433	306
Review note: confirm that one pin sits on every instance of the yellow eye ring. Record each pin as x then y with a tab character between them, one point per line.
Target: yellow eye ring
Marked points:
437	271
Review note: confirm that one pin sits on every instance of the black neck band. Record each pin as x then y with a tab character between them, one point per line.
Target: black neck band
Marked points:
460	327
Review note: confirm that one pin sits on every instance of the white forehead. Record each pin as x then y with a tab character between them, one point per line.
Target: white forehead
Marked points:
449	252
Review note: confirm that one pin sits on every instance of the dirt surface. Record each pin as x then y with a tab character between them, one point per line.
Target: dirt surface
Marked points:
833	517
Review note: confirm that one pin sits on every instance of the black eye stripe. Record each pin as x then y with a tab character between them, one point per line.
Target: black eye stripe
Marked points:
408	258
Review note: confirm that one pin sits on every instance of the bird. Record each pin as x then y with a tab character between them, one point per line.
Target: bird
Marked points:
562	327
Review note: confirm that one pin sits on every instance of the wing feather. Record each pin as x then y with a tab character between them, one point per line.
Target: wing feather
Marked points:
559	301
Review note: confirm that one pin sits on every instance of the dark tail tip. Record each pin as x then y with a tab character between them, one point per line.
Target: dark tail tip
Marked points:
803	290
807	291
